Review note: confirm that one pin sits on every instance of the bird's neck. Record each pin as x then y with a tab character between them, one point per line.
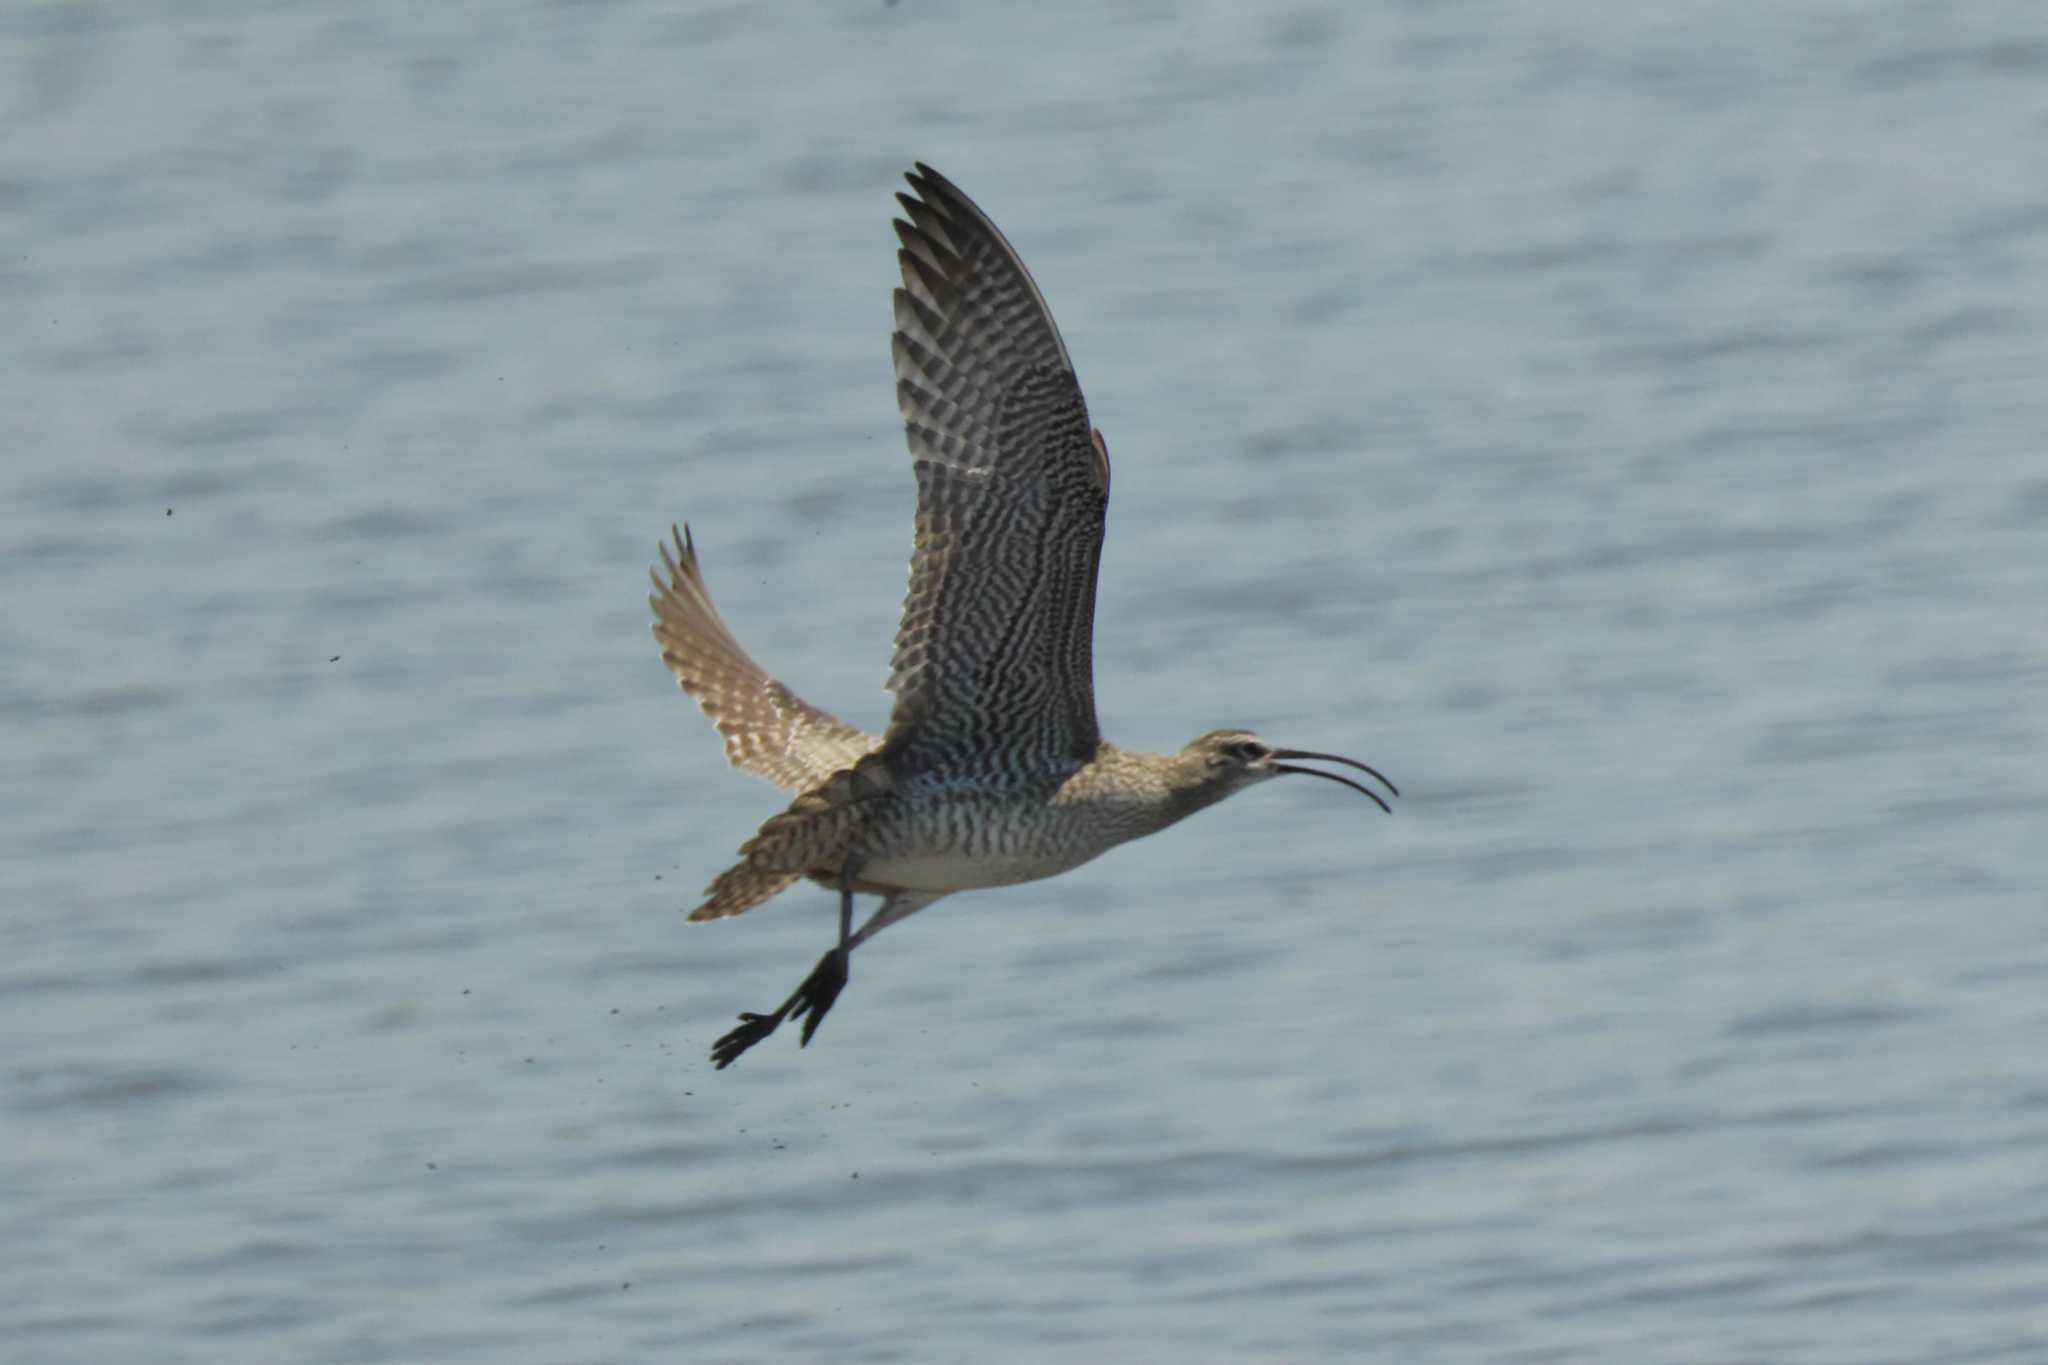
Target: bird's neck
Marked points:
1135	793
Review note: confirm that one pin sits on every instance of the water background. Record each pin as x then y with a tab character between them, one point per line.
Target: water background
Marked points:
1623	425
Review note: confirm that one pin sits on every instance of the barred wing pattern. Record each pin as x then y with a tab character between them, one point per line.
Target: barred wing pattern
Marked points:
994	661
769	730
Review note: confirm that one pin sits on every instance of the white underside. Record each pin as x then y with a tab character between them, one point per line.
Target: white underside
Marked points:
952	872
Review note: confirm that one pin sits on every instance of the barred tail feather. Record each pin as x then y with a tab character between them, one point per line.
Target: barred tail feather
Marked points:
738	889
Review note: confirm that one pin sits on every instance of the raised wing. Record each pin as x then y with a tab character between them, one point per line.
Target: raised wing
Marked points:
769	730
994	657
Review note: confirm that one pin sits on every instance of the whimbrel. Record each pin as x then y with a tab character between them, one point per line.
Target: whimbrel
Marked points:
992	770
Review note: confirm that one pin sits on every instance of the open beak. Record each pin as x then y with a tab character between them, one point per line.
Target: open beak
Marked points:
1336	758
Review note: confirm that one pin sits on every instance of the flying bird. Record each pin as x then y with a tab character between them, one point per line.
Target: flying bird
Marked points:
992	770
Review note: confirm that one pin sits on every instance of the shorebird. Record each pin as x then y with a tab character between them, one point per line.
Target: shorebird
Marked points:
992	770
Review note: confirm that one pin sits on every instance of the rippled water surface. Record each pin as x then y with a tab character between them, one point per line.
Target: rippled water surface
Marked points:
1624	426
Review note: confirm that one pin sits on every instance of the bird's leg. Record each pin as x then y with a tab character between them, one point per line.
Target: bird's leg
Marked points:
814	997
828	978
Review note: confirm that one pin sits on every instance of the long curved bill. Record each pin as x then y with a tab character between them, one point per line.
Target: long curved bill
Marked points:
1347	762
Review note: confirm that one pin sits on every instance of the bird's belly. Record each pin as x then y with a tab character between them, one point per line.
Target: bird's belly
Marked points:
956	871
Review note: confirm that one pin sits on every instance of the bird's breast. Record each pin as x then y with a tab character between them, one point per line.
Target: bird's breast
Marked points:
959	844
955	870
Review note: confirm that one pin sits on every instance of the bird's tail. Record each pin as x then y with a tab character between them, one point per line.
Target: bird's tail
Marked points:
740	888
807	839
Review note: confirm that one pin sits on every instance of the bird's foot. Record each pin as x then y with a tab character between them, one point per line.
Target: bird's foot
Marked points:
753	1028
814	998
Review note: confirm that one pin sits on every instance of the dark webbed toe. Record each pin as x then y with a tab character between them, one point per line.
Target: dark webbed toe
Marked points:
811	1002
813	999
753	1028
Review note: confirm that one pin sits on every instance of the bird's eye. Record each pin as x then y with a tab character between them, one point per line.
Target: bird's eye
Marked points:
1250	750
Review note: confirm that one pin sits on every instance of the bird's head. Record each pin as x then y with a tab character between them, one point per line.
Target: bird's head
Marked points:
1223	762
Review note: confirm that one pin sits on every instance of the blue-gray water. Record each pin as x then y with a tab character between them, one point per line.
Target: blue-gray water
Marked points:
1623	425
